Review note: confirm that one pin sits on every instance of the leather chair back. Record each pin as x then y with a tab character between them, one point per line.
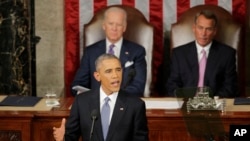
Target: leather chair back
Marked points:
139	30
228	32
228	29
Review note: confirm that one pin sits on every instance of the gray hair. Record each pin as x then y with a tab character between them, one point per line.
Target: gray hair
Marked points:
208	14
103	57
116	9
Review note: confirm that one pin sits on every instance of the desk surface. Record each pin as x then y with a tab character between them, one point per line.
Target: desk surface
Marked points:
65	104
232	111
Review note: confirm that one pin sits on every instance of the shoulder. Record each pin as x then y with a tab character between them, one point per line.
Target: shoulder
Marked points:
223	47
184	48
95	45
85	96
131	44
131	100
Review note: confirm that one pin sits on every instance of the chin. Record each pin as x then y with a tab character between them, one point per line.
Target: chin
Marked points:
116	89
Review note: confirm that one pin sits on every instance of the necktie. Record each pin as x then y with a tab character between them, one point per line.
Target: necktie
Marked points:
202	67
111	51
105	113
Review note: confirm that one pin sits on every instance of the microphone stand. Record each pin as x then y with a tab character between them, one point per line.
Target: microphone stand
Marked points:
93	117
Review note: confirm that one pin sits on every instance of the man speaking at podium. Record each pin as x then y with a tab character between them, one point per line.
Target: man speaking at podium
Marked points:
106	113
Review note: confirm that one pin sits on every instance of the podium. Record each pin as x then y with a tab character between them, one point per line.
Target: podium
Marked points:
163	124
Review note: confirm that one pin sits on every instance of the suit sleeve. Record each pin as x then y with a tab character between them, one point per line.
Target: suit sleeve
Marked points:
82	77
230	85
174	79
141	128
137	84
72	128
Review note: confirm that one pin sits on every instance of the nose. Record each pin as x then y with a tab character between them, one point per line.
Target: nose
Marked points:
114	27
203	32
114	74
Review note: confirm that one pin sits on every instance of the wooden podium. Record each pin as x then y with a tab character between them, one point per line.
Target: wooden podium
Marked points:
164	125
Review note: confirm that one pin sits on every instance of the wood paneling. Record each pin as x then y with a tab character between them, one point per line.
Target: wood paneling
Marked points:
164	125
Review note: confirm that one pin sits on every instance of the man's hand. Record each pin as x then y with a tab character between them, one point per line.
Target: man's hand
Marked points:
58	133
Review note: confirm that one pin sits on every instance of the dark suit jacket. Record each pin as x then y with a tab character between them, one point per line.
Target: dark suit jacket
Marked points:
128	123
134	76
220	73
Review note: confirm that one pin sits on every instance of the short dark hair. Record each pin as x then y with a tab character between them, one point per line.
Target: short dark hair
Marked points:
208	14
104	57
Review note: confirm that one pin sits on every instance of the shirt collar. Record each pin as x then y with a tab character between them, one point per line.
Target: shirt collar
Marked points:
117	44
112	96
200	48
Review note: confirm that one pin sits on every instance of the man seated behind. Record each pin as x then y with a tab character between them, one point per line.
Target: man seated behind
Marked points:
126	120
218	73
132	55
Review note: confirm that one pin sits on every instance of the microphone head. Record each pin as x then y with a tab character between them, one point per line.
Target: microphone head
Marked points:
94	114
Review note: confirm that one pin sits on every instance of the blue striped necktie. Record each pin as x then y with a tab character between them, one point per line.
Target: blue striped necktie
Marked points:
105	113
111	51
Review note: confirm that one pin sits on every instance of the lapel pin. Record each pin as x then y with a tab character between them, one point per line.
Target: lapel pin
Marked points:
126	53
121	109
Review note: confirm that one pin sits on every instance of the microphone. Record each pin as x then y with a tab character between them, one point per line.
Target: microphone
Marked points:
131	75
93	118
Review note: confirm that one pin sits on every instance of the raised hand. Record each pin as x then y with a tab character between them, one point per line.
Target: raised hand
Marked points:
58	133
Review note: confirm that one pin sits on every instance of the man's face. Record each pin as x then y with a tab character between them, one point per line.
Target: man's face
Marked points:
204	30
110	75
114	25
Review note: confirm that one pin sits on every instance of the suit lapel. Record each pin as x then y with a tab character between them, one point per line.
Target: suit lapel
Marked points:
102	46
124	57
95	104
118	113
193	62
124	54
211	61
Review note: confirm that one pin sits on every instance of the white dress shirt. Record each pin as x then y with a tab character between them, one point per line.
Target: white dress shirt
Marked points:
112	101
200	48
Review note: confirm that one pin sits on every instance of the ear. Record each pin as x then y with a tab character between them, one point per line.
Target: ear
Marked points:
103	26
215	31
193	28
124	28
97	76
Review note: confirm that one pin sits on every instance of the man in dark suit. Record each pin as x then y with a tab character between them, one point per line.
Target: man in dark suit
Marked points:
127	120
220	70
132	56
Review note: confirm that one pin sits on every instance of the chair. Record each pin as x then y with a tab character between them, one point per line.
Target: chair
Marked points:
138	30
229	32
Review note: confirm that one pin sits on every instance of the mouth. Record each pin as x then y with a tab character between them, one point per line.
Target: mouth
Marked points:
115	83
203	38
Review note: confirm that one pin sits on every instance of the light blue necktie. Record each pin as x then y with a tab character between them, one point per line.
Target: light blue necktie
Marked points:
105	113
111	51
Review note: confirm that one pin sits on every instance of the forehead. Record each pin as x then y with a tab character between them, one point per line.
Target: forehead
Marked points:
203	20
115	15
110	64
115	10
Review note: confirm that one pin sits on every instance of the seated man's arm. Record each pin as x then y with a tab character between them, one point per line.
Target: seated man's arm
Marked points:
230	82
83	76
173	79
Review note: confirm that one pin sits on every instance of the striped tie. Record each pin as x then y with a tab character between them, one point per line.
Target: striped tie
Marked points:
105	113
202	67
111	51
